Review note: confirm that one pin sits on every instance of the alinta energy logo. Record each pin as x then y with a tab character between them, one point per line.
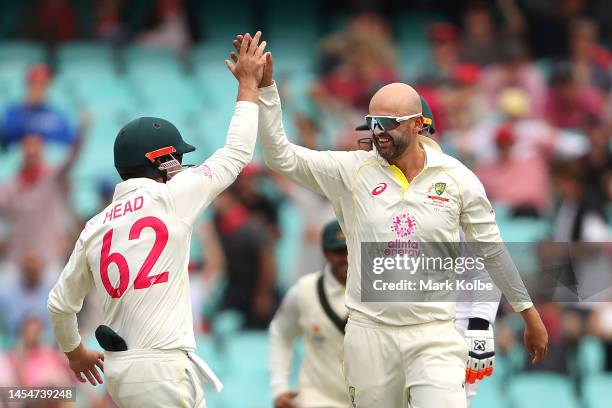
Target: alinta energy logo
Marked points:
403	225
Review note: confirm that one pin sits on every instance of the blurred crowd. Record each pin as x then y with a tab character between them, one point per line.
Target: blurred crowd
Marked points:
520	93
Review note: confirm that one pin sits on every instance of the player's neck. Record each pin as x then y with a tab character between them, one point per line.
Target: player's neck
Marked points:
411	161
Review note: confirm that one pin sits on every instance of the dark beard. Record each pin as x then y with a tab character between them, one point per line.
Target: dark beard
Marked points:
392	152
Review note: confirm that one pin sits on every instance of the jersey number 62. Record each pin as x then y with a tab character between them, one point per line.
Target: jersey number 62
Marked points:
143	280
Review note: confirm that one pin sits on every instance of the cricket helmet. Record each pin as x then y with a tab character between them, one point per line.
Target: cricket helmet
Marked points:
143	140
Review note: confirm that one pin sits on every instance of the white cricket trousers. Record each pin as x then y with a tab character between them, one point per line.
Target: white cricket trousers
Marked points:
417	366
153	378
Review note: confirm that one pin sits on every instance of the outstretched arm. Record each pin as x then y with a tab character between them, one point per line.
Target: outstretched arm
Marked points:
76	148
195	188
322	172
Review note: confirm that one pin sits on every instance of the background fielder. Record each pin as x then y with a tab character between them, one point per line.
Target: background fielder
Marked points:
314	310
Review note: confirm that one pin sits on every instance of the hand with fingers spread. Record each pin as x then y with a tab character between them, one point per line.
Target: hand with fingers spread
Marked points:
266	79
248	66
84	362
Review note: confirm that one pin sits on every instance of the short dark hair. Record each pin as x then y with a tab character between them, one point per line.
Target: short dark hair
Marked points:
150	171
147	171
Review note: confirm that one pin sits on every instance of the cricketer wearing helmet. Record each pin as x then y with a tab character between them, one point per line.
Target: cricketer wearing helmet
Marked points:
135	253
399	353
314	310
474	318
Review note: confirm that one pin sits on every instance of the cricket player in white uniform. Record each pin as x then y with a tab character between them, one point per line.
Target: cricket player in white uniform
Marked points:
313	309
473	319
135	254
399	353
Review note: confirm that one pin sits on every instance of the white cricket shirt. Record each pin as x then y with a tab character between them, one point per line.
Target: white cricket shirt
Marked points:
375	203
135	252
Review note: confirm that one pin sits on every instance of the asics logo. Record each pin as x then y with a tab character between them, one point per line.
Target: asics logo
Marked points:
380	187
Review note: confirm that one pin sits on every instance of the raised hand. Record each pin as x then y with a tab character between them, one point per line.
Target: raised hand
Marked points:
248	66
266	79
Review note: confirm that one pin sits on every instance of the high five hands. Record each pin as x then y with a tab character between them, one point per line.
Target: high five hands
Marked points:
239	44
248	67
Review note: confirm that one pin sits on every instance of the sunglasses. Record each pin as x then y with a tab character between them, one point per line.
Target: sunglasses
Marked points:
386	123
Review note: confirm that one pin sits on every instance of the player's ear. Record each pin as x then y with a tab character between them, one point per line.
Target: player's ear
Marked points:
418	124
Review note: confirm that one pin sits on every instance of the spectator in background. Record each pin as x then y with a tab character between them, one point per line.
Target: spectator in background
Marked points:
51	22
517	181
250	263
590	61
34	115
597	163
7	372
444	40
569	104
34	202
463	108
314	209
36	364
25	294
515	70
547	24
578	218
354	63
168	27
532	136
480	42
262	210
109	25
602	328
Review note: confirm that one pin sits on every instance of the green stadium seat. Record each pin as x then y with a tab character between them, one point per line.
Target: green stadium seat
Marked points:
88	71
412	41
15	58
591	356
247	378
104	94
22	51
537	390
79	51
488	394
287	248
251	346
520	229
139	59
226	323
597	392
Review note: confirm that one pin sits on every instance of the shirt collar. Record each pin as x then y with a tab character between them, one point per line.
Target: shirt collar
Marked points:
433	153
332	286
125	187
